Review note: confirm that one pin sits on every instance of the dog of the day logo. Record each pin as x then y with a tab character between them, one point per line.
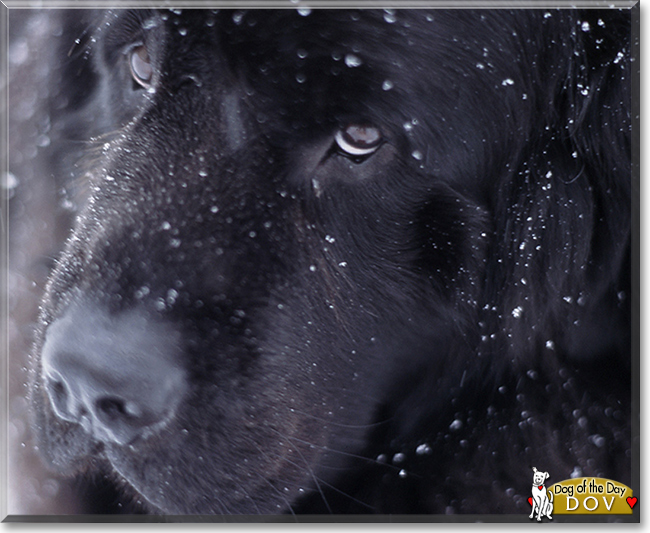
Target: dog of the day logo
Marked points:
579	496
592	495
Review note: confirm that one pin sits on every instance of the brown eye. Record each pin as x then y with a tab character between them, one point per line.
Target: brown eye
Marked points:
359	140
141	68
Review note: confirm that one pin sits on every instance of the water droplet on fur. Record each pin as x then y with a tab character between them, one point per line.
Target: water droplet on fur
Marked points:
353	61
142	292
598	440
316	187
172	294
389	16
399	458
423	449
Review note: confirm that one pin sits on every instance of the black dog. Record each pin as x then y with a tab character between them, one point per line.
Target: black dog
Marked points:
340	261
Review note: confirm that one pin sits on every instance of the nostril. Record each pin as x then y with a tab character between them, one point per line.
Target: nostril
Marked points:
115	409
59	392
60	397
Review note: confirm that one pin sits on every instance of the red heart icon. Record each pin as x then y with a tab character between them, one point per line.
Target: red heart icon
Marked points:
530	501
631	502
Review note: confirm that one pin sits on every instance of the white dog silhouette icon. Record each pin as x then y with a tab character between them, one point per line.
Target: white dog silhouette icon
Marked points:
542	499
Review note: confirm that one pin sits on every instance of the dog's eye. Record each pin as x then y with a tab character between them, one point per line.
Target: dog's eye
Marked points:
140	65
358	141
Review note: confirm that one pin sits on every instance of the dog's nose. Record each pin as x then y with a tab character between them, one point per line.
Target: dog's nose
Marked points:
119	376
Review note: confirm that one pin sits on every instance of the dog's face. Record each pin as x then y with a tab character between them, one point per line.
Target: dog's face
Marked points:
259	223
288	218
540	477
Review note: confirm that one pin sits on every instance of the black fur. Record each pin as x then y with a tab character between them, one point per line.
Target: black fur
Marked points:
406	332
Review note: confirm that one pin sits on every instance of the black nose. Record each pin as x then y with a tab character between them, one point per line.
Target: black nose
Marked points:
118	376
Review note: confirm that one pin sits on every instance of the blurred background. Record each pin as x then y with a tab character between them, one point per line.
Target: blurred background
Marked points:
40	213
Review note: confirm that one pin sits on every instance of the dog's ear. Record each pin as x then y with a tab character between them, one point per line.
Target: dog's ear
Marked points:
547	475
534	469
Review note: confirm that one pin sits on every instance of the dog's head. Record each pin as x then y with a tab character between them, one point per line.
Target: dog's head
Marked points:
288	234
539	477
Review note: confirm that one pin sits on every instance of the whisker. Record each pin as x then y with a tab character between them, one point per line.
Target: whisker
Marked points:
318	481
314	477
278	491
332	450
337	424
